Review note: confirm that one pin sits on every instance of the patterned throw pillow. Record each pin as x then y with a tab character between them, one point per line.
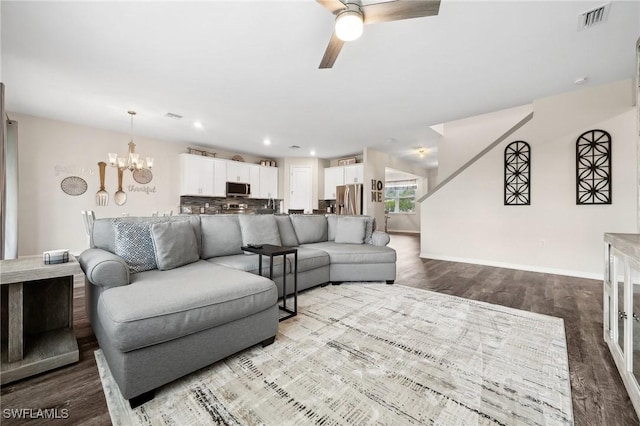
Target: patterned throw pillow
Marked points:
134	244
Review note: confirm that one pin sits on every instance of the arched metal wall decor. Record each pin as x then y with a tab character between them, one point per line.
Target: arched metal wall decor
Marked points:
593	168
517	174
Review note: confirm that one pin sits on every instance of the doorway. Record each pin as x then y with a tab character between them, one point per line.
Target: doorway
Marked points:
300	185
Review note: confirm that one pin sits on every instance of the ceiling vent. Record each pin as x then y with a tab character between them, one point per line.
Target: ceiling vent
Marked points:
294	147
172	115
593	17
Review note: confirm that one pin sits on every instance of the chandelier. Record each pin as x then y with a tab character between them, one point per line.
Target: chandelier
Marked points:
132	160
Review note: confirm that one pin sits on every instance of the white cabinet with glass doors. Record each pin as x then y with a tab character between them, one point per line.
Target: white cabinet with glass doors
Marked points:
621	308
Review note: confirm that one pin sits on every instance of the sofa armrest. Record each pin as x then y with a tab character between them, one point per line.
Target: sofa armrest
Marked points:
104	268
379	238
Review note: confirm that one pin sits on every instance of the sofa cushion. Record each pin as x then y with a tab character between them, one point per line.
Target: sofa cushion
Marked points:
250	263
175	244
309	259
287	233
160	306
259	229
221	235
332	221
309	228
355	253
133	243
350	230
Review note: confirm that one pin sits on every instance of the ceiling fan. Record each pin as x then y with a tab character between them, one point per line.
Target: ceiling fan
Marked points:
351	15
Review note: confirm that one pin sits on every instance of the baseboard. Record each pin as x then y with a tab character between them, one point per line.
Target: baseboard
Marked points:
398	231
530	268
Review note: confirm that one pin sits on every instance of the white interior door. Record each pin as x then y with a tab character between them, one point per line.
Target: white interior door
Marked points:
301	189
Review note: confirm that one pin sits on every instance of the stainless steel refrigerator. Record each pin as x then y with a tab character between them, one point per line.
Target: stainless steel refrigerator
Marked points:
349	199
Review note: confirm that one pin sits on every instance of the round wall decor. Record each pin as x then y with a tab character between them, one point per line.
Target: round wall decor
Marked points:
73	185
142	176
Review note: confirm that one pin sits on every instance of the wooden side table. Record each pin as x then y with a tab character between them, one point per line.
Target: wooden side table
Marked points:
271	251
37	306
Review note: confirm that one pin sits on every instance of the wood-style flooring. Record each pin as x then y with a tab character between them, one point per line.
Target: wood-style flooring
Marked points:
599	397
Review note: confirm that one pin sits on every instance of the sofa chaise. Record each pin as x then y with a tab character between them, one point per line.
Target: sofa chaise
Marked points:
169	295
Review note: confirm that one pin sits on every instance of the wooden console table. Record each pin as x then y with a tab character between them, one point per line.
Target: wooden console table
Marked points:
37	306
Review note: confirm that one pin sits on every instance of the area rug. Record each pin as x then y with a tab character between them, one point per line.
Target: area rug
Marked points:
365	354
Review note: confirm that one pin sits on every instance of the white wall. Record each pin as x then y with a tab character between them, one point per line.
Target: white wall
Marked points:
467	220
375	163
458	144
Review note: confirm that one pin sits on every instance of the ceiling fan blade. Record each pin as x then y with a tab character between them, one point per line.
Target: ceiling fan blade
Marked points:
331	54
399	10
332	5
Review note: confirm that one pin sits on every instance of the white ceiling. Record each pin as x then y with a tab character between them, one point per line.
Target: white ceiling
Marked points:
249	69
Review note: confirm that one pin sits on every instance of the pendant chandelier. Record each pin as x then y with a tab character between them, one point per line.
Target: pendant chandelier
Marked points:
132	160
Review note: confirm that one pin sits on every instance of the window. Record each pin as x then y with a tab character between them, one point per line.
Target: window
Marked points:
400	196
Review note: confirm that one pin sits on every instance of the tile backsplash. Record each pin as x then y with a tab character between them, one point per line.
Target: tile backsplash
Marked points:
214	205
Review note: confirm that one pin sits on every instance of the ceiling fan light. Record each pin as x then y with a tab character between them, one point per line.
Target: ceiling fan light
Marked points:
349	25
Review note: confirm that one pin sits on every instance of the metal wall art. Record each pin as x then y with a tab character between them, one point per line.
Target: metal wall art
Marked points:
593	168
517	174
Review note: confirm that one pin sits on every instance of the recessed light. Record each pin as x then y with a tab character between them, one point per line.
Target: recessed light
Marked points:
266	142
312	153
197	125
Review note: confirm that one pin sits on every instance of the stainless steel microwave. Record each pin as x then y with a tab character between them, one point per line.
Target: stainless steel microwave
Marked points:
238	189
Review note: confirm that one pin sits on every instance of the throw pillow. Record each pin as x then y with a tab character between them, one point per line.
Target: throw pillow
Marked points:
259	229
369	220
133	243
350	230
309	228
175	244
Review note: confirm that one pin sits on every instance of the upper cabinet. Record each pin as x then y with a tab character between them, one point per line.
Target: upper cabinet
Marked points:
220	177
354	173
333	176
196	175
207	177
268	183
341	175
238	171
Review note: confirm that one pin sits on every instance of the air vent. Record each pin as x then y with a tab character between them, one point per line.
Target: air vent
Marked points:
172	115
593	17
294	147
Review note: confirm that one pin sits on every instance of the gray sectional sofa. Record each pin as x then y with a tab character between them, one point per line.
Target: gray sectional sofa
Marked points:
169	295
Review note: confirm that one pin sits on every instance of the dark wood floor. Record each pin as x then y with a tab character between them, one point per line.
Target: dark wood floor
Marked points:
599	397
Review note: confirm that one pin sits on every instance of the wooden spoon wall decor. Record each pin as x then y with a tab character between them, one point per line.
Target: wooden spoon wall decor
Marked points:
120	197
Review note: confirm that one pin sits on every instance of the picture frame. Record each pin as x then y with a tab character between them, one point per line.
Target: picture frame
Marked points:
346	161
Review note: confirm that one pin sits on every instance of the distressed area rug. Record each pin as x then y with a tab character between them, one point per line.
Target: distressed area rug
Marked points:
364	354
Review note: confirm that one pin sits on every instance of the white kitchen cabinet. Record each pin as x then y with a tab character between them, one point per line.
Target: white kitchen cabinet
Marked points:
220	177
196	175
333	176
341	175
238	171
353	173
268	183
254	180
